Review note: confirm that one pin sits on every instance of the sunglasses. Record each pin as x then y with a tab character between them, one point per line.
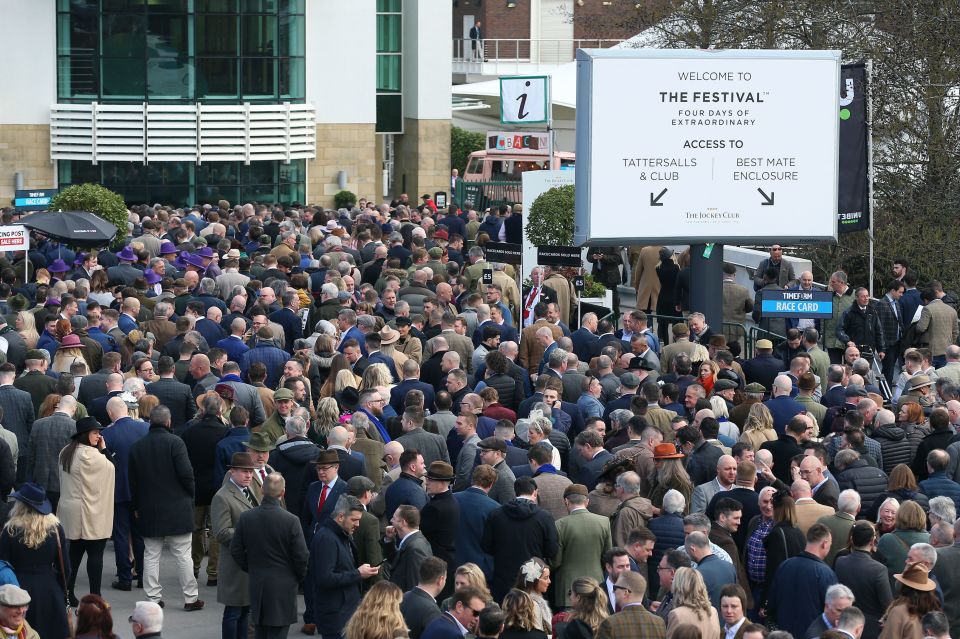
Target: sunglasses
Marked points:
623	588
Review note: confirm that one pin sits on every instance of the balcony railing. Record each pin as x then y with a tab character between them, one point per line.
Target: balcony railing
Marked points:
517	55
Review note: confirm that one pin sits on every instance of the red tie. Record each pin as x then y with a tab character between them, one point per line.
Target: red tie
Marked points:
323	498
263	475
534	293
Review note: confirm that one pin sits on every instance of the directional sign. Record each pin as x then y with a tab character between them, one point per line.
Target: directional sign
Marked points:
34	200
797	304
523	100
14	238
711	146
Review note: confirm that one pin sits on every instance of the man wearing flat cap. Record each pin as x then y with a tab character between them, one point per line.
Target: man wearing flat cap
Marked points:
583	538
14	602
493	451
440	518
233	499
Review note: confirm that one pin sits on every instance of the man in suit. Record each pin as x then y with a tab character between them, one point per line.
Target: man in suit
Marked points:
493	452
533	346
336	577
432	446
322	494
737	302
405	547
892	319
419	605
466	606
733	609
232	500
410	370
584	337
162	492
725	480
867	578
787	447
582	539
589	445
475	508
633	620
172	394
351	465
938	327
35	381
245	395
268	545
715	572
782	407
440	517
48	437
374	356
808	510
120	439
476	40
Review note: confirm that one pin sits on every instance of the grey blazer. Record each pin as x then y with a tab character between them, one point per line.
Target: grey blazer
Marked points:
48	437
233	586
248	397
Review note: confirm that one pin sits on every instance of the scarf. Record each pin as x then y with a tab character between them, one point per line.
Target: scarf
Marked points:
546	468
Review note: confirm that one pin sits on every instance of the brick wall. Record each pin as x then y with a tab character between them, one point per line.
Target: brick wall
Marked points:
26	148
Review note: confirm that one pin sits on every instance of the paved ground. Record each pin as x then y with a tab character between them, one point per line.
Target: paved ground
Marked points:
178	624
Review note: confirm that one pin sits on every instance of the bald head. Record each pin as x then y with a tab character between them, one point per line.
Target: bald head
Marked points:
800	488
117	409
114	382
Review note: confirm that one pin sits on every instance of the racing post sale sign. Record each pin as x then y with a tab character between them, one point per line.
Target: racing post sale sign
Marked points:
706	146
14	238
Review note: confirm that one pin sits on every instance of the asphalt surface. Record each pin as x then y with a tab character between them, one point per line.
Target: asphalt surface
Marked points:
177	623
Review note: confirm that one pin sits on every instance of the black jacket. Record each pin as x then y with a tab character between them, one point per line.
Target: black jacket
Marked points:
336	580
509	389
936	439
783	450
870	583
702	463
606	267
201	439
161	484
403	568
783	542
862	327
895	446
514	533
439	520
418	609
870	482
177	397
294	460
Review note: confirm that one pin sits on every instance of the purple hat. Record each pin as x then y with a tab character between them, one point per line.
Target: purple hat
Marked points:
58	266
151	276
194	260
52	301
205	251
166	248
179	261
80	258
127	254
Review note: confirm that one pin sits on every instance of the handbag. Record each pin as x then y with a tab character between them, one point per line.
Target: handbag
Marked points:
63	577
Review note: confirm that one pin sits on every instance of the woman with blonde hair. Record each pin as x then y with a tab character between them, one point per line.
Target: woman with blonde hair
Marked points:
758	427
376	375
328	416
34	542
378	616
588	607
26	325
468	575
338	364
534	579
691	605
671	474
69	352
520	617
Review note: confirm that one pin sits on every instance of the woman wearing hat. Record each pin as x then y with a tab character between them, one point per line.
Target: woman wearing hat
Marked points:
87	479
670	474
69	351
33	542
917	598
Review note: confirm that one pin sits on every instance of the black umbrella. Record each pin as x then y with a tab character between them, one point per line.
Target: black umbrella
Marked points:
77	228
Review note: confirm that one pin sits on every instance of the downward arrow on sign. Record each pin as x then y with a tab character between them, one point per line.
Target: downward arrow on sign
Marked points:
655	201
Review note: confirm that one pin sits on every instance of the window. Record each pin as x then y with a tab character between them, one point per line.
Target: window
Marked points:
389	66
181	51
186	184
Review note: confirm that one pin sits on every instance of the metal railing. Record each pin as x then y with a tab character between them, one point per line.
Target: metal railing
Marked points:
732	331
500	55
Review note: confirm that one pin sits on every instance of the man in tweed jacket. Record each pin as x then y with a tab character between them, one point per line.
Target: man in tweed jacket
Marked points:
633	620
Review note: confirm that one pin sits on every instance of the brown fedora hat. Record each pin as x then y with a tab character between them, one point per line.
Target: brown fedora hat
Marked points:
326	458
242	461
440	471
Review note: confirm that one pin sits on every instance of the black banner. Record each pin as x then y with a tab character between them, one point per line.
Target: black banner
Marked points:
853	195
503	252
559	256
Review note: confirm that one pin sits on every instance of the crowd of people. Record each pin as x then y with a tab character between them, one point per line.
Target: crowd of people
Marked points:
359	406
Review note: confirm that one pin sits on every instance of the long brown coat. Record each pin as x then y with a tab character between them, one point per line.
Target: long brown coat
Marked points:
645	278
86	495
530	350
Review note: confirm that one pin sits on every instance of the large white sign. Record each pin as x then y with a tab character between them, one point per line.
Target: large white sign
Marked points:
14	238
523	100
535	184
710	146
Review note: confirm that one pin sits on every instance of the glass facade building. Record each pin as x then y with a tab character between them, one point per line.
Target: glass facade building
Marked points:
184	52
